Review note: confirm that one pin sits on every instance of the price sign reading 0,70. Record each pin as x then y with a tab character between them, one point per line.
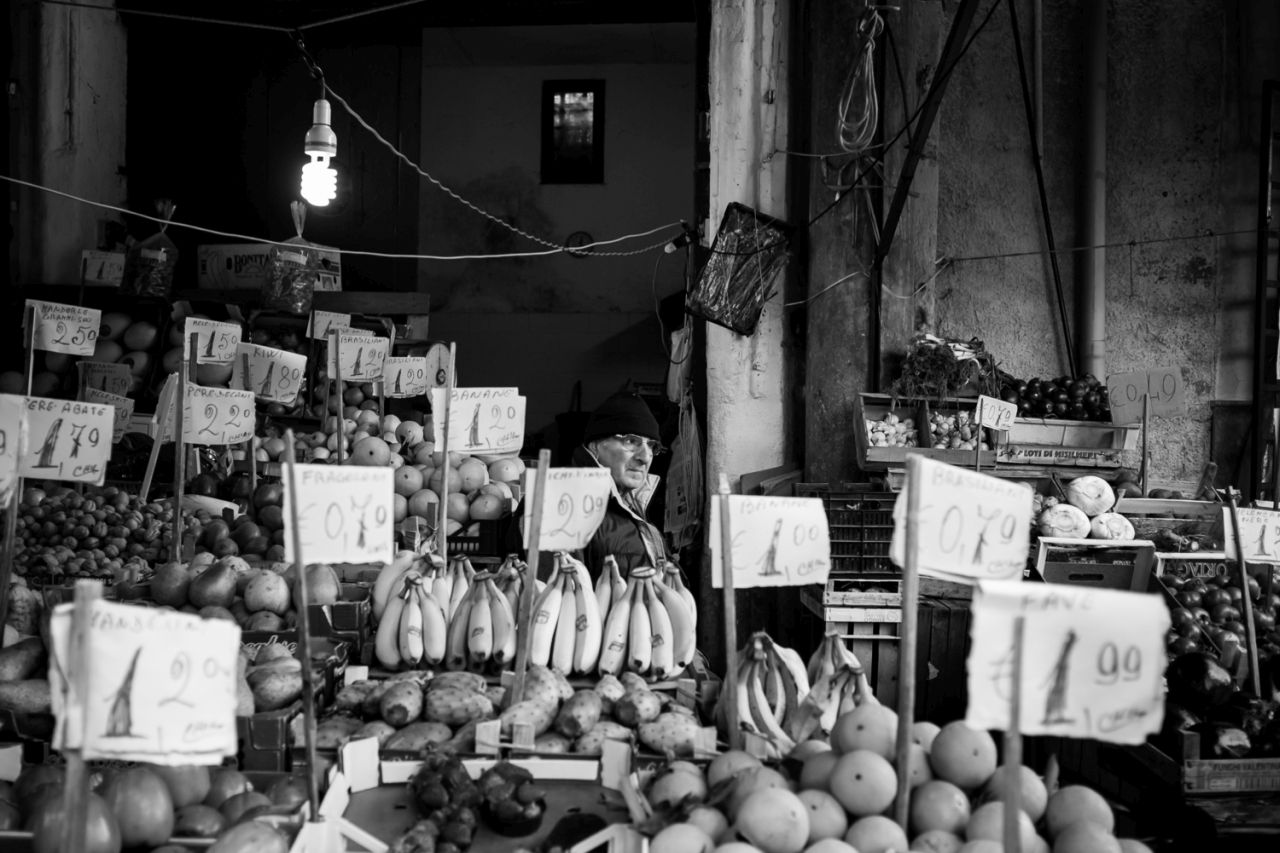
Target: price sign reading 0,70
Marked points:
344	514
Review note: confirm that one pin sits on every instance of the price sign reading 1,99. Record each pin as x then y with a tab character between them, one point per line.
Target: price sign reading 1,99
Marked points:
68	329
572	508
217	416
405	376
344	514
275	375
66	440
776	541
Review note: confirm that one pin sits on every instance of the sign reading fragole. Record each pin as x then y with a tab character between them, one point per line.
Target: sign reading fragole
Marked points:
971	526
112	377
1092	660
66	440
344	514
122	405
162	685
481	420
323	321
12	426
776	541
1259	534
1162	388
572	508
405	376
363	356
996	414
217	415
216	342
275	375
69	329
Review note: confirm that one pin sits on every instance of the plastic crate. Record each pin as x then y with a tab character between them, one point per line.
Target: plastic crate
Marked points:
860	520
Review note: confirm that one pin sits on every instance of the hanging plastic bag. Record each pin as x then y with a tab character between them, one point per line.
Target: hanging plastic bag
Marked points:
148	266
685	484
679	362
292	270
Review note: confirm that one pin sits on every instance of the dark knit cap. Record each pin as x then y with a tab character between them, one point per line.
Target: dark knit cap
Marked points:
622	414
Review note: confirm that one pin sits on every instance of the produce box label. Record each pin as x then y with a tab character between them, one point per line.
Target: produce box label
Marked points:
1017	454
362	356
217	415
161	685
12	437
274	375
123	407
1092	661
112	377
343	513
405	377
572	508
481	420
66	440
1162	388
1259	534
775	542
68	329
996	414
971	526
1199	565
215	342
323	321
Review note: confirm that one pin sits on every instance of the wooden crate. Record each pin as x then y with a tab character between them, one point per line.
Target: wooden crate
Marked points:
1150	517
1180	759
1076	444
873	407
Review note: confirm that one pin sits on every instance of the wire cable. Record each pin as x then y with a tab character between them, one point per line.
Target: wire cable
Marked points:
858	112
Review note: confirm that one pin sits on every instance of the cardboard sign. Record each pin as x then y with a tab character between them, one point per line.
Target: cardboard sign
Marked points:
102	269
363	356
971	526
323	321
66	440
12	438
275	375
1162	387
166	409
216	342
405	377
776	541
1092	660
112	377
123	407
996	414
217	416
1259	534
68	329
162	685
481	420
572	509
343	513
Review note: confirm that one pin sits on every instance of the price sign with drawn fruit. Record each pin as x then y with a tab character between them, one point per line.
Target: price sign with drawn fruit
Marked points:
1092	660
161	685
996	414
275	375
323	321
215	342
971	525
217	416
12	436
406	376
1162	388
69	329
66	440
776	541
123	407
112	377
572	508
1259	534
363	356
344	513
481	420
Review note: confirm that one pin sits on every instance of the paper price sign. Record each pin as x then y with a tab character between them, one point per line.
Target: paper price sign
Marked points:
363	356
68	329
488	420
405	377
776	541
123	407
66	440
971	526
1162	388
343	514
12	425
215	342
323	321
1259	534
572	509
217	416
162	685
1092	660
166	409
275	375
996	414
112	377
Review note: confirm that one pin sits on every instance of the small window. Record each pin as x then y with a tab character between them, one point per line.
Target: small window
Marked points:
573	132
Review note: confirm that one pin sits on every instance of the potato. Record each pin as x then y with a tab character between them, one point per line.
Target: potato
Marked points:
541	684
535	712
579	714
552	742
610	690
332	732
637	706
371	707
415	736
592	743
632	681
401	704
469	681
671	733
376	729
351	697
455	706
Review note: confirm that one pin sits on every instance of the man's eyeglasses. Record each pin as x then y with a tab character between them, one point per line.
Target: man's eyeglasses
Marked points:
633	443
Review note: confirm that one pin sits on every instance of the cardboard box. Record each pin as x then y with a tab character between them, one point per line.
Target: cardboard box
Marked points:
244	266
1105	563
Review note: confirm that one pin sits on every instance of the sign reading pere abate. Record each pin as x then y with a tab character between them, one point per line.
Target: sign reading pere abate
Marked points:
574	506
481	420
344	514
66	440
70	329
776	541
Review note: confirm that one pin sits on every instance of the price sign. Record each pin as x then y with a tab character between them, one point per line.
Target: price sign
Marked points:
112	377
971	525
215	342
162	685
323	321
102	268
68	329
1162	387
343	513
123	407
275	375
776	541
66	440
1259	534
996	414
363	356
406	377
217	416
166	409
12	426
572	509
1092	660
485	420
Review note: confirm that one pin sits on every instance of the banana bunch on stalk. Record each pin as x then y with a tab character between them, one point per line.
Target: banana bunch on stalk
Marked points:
510	580
768	690
450	584
834	694
566	625
649	629
413	629
830	656
482	630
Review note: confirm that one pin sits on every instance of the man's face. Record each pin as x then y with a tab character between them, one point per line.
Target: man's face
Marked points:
627	458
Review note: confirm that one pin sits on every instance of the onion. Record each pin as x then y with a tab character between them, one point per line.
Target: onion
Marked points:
1111	525
1064	521
1091	494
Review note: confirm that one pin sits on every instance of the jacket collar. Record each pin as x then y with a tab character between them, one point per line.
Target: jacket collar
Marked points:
635	502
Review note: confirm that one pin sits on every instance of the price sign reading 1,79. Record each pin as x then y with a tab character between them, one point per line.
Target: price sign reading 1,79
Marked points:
66	440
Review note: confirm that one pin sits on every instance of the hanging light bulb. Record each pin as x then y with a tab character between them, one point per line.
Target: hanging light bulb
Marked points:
319	180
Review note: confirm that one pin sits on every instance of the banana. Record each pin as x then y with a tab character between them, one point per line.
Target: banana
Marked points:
614	635
619	582
504	626
822	663
387	640
663	640
411	646
435	630
604	591
683	638
442	586
589	626
385	585
456	648
461	586
639	651
480	632
566	627
675	580
761	715
742	696
862	689
467	569
542	629
775	691
791	666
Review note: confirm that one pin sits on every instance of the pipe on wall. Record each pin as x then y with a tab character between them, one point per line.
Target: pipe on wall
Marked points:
1092	278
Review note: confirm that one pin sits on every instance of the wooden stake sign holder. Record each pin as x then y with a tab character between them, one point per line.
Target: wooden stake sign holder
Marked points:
15	500
442	507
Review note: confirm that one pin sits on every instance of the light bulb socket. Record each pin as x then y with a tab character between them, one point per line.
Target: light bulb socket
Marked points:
320	138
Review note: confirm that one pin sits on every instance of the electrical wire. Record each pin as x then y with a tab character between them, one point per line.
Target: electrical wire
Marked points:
1209	233
227	22
657	313
858	111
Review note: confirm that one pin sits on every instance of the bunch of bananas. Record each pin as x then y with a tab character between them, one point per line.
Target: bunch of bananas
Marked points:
390	581
482	629
830	656
768	690
450	585
510	579
839	685
650	628
566	625
412	629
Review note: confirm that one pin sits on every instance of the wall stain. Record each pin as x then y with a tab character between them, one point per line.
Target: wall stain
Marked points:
1200	271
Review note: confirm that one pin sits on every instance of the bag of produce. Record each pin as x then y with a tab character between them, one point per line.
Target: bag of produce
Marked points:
148	266
292	270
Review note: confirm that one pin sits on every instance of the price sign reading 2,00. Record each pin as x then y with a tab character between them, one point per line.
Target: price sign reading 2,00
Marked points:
567	508
1116	665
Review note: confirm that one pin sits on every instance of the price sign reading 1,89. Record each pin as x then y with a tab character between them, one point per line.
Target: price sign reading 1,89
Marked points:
217	416
481	420
776	541
344	514
67	440
68	329
363	357
215	342
572	508
405	376
275	375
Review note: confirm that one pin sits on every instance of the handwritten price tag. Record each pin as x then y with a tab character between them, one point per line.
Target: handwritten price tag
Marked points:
12	437
217	416
162	685
112	377
363	356
122	405
66	440
996	414
1092	660
322	321
343	513
1259	534
105	269
776	541
971	525
1162	387
275	375
573	507
68	329
166	409
215	342
406	376
487	420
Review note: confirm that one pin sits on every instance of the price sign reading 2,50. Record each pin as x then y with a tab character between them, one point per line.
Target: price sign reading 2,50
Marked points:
73	336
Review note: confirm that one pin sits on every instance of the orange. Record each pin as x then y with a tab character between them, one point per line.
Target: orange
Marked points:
1075	803
963	756
407	480
681	838
923	733
1133	845
728	764
876	834
399	508
918	771
505	470
353	396
424	503
486	507
937	841
458	508
370	451
826	816
870	726
816	770
436	482
938	805
1085	837
749	782
472	474
774	820
864	783
987	821
273	446
1033	796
